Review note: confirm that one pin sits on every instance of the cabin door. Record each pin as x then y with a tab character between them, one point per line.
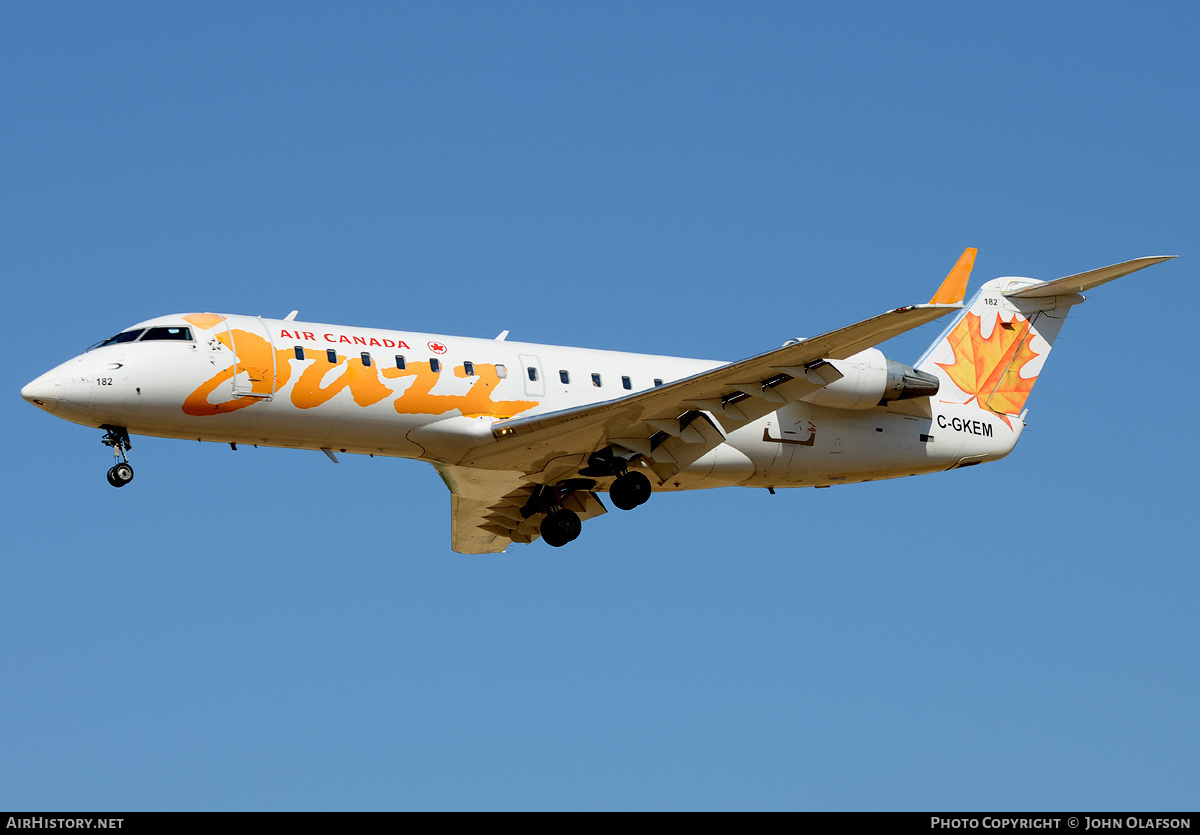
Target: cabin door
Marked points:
253	357
531	372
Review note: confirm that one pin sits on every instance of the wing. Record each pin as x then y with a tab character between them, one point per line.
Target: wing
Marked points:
673	425
498	489
486	508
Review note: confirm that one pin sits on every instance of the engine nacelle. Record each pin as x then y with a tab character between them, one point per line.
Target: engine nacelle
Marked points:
869	379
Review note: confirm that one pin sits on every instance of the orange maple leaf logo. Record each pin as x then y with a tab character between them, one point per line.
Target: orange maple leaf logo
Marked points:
989	369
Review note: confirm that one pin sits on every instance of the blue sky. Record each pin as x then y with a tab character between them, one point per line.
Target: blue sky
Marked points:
261	629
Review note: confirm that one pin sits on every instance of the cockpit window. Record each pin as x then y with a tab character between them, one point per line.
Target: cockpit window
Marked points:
172	332
125	336
168	333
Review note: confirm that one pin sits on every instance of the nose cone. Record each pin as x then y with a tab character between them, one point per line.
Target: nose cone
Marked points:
45	391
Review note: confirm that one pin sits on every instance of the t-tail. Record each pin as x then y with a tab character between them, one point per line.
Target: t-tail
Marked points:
990	356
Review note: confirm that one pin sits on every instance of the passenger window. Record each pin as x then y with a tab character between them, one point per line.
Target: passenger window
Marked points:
180	334
332	354
300	352
596	380
366	359
657	382
501	372
400	362
626	384
565	376
532	374
435	365
469	368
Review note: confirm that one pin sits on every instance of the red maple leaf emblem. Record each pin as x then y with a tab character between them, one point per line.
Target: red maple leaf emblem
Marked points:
437	347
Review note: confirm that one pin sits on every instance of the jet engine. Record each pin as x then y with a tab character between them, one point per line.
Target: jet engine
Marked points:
869	379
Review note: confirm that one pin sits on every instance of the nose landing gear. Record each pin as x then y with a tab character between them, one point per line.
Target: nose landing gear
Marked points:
117	437
120	475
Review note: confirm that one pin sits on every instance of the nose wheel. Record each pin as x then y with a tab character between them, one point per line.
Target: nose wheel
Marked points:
117	437
120	475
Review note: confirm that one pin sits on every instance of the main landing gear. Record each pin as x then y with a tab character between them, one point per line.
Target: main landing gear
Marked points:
561	525
629	490
117	437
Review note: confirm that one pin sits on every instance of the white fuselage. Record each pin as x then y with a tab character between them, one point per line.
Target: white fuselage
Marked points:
248	380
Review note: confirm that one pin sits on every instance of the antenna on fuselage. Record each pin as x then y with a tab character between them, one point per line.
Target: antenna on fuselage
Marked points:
290	316
503	336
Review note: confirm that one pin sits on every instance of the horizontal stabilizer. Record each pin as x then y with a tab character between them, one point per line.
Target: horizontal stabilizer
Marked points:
1084	281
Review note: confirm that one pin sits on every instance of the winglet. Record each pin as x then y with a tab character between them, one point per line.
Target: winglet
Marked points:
955	286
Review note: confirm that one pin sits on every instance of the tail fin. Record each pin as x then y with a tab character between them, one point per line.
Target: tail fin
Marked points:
994	350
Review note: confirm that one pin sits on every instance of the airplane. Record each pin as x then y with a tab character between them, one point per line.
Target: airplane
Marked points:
527	437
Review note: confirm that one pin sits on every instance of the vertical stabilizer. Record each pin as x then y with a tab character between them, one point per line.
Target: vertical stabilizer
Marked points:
994	350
